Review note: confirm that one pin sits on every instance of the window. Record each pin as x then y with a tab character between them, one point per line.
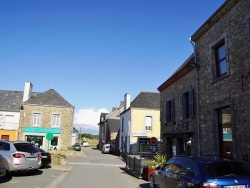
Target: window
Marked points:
122	123
187	104
9	122
55	120
4	146
220	57
36	119
54	141
169	111
1	120
193	169
148	123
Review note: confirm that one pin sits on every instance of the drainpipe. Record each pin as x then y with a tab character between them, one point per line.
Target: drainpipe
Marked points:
196	65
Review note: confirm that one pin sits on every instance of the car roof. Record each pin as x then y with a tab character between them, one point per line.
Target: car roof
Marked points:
13	141
207	159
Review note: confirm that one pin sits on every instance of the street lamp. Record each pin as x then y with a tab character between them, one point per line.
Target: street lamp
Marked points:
196	66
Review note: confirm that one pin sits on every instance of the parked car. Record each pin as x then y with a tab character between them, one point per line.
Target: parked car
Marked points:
3	167
77	147
46	157
85	144
206	172
20	156
106	148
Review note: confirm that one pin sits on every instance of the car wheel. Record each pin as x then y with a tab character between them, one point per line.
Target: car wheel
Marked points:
152	182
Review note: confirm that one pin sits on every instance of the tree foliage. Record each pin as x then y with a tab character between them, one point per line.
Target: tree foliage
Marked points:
90	136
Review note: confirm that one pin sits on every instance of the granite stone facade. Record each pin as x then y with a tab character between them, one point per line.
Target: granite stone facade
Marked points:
65	125
224	98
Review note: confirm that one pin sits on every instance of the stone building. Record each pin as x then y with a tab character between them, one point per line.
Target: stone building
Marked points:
178	111
222	48
109	127
46	118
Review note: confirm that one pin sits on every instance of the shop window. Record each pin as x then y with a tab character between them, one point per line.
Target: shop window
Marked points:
169	111
54	141
36	140
187	104
36	119
55	120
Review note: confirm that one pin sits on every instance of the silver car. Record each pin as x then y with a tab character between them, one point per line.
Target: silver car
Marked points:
20	156
3	166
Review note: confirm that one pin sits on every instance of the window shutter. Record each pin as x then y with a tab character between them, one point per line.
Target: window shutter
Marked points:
165	112
191	103
172	110
181	106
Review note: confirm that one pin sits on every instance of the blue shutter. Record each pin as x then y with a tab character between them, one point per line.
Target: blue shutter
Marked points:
191	103
165	113
172	110
181	106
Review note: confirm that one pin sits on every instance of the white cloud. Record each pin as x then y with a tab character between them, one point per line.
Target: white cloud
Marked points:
87	119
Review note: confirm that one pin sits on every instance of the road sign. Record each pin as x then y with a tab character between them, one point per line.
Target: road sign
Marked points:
49	136
153	140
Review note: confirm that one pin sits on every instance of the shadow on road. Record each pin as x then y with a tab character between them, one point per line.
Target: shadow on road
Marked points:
144	185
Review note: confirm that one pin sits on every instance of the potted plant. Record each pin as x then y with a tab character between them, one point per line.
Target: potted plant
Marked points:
157	162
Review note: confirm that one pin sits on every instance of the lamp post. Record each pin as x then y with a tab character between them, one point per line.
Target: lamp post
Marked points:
197	66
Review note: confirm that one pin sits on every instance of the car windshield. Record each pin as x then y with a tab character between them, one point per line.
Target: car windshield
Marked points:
77	145
232	169
25	147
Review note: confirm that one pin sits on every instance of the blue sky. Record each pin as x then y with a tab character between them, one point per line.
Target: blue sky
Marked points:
92	52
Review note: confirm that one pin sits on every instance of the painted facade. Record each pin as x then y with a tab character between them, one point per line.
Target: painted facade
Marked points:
139	122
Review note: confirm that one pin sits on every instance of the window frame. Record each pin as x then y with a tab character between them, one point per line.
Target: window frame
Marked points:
56	119
220	40
36	121
187	104
151	123
169	111
220	61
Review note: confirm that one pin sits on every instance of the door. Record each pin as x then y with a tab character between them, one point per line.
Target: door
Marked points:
225	133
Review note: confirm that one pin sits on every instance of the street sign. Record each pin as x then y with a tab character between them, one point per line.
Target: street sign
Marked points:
153	140
49	136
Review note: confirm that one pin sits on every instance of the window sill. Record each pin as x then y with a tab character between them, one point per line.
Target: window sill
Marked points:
218	78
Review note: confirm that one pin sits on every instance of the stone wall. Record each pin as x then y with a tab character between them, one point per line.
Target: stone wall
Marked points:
66	121
233	26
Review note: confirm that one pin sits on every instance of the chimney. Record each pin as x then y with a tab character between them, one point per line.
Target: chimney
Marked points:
126	101
27	91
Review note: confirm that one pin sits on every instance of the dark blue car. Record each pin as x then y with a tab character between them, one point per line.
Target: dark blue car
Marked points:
202	172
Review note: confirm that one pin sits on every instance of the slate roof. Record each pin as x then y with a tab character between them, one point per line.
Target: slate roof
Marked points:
11	100
149	100
48	98
114	125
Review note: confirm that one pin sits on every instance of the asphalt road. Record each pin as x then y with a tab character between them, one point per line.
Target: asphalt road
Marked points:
99	170
96	170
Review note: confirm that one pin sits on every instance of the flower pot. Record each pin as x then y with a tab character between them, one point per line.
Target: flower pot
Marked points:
149	172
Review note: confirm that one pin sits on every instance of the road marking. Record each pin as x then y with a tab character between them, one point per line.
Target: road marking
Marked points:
58	179
72	163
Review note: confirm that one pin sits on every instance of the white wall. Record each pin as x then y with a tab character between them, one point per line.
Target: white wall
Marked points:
8	123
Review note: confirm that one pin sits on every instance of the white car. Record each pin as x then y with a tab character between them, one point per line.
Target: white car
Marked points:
85	144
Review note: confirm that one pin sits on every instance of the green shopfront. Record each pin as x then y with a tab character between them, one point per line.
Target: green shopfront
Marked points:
37	135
